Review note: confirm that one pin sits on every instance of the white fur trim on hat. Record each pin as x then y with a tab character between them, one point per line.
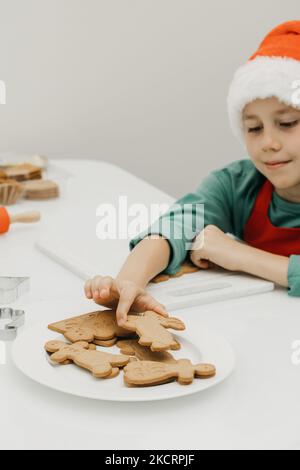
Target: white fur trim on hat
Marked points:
262	77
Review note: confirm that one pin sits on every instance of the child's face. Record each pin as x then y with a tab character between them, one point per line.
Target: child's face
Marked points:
272	134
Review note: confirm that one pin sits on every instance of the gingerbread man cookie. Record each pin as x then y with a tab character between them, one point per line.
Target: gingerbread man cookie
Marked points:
131	347
100	326
187	267
100	364
152	330
160	278
67	361
108	343
145	373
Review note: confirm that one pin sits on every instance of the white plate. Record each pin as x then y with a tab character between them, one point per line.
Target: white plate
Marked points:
30	358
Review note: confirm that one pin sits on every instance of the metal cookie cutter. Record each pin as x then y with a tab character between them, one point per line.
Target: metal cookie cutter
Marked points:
17	317
11	288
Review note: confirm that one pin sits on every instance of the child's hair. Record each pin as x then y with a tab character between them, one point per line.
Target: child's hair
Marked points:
272	71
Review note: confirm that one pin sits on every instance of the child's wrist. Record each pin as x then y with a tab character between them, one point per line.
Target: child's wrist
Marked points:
136	278
242	257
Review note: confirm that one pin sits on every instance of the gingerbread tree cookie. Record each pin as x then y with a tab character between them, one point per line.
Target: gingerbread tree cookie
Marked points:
98	327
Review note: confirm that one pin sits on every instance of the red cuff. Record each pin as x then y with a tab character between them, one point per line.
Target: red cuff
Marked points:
4	220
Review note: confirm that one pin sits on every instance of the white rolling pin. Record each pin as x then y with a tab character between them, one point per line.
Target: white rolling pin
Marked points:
24	218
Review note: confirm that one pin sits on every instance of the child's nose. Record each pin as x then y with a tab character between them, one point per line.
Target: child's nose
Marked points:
270	142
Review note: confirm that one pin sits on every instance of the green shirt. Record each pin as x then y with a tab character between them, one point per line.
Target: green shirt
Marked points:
228	195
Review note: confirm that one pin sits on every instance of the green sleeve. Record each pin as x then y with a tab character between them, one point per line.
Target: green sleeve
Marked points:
294	276
211	203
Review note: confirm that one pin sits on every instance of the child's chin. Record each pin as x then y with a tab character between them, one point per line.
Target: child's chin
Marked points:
282	182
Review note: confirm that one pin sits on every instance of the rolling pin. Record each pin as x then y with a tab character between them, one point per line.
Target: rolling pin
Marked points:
26	218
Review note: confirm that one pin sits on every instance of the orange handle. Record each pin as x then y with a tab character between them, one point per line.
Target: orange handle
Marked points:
4	220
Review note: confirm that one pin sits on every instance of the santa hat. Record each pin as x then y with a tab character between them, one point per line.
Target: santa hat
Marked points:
273	70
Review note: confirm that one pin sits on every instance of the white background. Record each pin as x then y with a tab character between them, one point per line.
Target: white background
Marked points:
138	83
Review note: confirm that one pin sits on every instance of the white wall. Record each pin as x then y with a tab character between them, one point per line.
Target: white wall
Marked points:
139	83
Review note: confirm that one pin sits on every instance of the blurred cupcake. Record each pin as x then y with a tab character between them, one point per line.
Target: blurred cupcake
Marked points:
10	191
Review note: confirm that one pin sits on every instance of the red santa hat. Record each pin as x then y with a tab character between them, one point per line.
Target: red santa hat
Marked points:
273	70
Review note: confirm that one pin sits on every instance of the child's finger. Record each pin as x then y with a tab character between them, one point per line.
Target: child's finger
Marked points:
204	264
161	309
94	284
201	263
127	297
152	304
105	286
87	289
97	282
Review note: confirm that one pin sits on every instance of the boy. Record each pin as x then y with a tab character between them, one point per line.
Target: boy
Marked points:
257	200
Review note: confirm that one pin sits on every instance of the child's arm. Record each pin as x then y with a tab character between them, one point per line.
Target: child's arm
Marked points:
147	259
177	228
215	246
279	269
265	265
150	257
127	290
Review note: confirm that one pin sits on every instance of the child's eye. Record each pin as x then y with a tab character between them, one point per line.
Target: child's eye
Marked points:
289	124
254	129
286	125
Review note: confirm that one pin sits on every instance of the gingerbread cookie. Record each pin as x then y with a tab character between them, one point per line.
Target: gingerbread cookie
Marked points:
160	278
23	172
131	347
152	330
10	191
40	189
145	373
91	327
187	267
92	347
108	343
100	364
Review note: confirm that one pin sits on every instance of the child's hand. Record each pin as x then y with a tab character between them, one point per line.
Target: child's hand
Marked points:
122	296
213	246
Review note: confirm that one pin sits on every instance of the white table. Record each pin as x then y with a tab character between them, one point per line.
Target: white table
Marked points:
257	407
